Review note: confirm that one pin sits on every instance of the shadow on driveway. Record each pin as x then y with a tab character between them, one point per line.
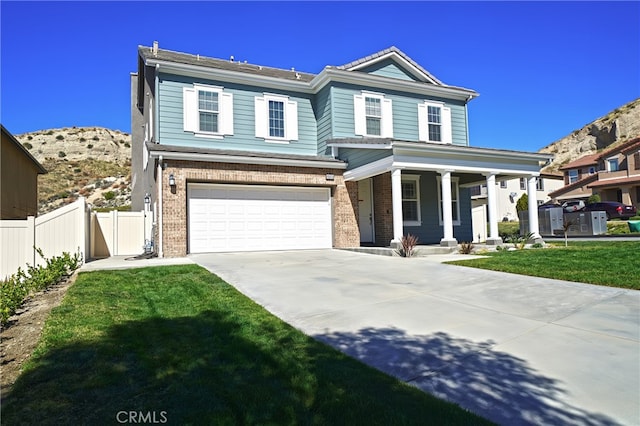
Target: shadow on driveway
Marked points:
494	384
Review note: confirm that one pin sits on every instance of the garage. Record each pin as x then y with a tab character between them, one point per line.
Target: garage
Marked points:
256	217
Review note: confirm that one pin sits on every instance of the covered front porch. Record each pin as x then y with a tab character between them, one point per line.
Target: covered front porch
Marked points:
423	189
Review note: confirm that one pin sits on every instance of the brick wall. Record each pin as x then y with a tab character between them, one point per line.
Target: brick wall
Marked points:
383	209
174	217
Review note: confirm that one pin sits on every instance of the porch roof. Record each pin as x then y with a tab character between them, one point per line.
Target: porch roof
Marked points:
425	156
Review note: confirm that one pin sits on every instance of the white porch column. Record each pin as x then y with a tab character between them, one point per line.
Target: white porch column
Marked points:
447	212
494	236
533	208
396	200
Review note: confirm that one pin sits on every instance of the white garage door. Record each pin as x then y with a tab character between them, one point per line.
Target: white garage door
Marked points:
255	217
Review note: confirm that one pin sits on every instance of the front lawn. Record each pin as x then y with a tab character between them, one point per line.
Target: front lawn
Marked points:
615	263
177	345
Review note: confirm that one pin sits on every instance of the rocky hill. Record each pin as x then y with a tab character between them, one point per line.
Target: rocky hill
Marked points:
616	127
93	162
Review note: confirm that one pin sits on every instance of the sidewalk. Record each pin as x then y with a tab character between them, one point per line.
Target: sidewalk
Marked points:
126	262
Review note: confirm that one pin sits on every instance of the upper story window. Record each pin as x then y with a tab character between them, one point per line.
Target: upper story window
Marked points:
373	115
276	118
523	184
540	184
573	176
434	122
207	111
592	170
612	165
411	200
636	160
503	184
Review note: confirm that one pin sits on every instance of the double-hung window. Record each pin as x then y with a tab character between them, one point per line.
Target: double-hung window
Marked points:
373	115
434	122
411	200
455	197
612	164
539	184
207	111
276	118
523	184
573	176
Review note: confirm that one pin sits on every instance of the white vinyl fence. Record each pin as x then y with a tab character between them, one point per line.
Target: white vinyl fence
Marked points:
74	229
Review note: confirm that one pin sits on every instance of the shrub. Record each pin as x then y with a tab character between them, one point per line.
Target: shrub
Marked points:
50	132
15	289
61	154
109	195
95	138
60	137
89	146
408	244
27	145
77	170
523	203
537	245
595	198
466	248
30	137
127	144
83	140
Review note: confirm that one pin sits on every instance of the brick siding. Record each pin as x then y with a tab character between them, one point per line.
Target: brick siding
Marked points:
383	209
174	208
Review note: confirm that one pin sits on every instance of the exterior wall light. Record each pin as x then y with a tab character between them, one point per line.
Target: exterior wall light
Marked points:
172	180
329	176
147	199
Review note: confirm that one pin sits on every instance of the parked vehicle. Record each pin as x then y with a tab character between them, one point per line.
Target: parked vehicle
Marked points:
613	209
549	205
573	206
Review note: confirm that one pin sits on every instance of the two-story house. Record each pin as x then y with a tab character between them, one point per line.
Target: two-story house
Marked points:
232	156
614	174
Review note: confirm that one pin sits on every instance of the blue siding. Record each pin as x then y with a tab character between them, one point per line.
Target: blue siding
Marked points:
323	113
357	157
405	114
388	68
431	231
171	119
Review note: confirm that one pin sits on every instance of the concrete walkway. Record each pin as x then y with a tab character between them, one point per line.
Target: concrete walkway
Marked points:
127	262
514	349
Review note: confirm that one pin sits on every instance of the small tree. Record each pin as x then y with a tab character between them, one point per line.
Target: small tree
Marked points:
523	203
595	198
566	225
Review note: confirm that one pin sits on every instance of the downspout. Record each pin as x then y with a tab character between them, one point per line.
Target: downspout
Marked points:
156	124
156	101
159	174
466	117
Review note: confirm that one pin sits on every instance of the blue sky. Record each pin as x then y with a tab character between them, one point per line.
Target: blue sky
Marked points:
543	69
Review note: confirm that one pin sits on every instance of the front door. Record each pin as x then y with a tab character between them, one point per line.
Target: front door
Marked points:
365	211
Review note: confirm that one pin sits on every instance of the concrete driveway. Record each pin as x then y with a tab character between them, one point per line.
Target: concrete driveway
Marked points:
514	349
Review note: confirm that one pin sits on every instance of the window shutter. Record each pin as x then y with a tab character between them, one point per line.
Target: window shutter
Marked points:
446	125
359	118
226	113
387	119
190	109
291	121
262	125
423	125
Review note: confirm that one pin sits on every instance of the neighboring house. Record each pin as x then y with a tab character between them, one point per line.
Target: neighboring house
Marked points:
508	192
18	179
233	156
614	174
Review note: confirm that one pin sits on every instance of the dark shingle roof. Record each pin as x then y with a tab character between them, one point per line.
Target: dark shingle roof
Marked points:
184	58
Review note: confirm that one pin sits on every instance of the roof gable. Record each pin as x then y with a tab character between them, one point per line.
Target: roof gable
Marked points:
388	59
8	136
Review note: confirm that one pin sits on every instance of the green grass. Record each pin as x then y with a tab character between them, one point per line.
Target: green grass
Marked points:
606	263
180	342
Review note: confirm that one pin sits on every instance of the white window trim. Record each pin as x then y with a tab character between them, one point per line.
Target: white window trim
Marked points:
360	116
416	179
454	197
523	184
539	184
262	118
445	124
191	118
609	164
577	176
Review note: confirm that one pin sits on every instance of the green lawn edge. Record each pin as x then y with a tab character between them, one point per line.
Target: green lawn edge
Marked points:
180	343
606	263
